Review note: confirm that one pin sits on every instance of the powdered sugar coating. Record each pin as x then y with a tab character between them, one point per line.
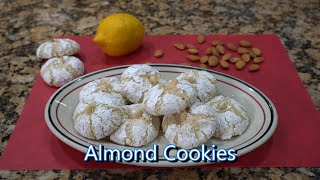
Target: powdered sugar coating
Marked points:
204	81
59	71
57	48
97	121
190	129
232	119
104	91
162	100
139	127
137	80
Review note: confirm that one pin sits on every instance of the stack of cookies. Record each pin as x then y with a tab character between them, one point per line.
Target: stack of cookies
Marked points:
61	67
132	109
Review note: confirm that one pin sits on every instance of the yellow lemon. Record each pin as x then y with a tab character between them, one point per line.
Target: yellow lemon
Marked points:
119	34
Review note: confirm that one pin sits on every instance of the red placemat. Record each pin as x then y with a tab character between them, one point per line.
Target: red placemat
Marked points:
296	141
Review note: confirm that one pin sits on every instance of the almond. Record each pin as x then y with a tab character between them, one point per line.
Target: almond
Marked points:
245	57
245	43
201	39
234	59
240	64
190	46
256	51
193	57
204	59
242	50
179	46
220	48
172	83
216	42
224	64
258	60
232	47
203	66
215	51
254	67
158	53
153	80
252	54
193	51
213	61
226	57
208	51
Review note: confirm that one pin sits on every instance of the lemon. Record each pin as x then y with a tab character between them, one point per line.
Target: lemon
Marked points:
119	34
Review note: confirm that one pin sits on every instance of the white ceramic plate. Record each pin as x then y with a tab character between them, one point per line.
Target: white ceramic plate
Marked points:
262	113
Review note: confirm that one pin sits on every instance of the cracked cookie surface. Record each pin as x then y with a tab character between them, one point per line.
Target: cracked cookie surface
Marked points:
104	91
57	48
97	121
137	80
204	81
59	71
169	98
189	129
139	127
232	119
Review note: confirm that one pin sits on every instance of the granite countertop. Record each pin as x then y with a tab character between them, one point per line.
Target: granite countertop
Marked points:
26	24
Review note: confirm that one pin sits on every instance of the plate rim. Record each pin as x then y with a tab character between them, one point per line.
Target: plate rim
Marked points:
65	139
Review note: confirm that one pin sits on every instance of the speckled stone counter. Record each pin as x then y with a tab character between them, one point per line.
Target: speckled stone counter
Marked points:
26	24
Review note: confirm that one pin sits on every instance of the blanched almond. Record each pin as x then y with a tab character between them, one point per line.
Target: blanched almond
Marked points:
256	51
258	60
179	46
201	39
242	50
220	48
216	42
208	51
204	59
213	61
224	64
193	51
234	59
226	57
158	53
240	64
153	80
245	57
203	66
254	67
245	43
232	47
190	46
193	57
172	83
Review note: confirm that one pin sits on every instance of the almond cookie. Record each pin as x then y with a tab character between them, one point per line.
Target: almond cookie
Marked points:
232	119
103	91
59	71
204	81
97	121
137	80
139	127
173	97
57	48
189	129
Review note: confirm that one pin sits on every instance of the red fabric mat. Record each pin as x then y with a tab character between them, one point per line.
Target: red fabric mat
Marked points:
296	141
